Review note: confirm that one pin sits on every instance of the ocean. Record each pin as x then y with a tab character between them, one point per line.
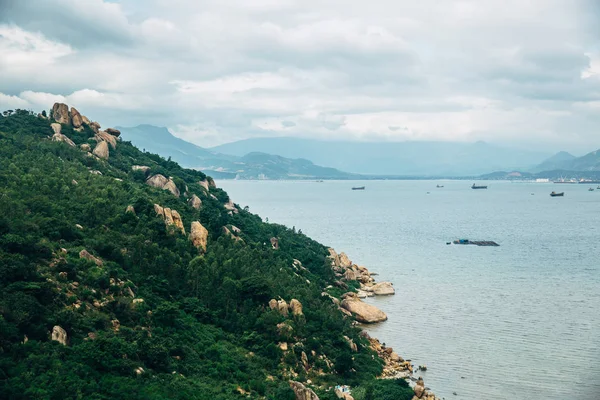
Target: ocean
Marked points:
518	321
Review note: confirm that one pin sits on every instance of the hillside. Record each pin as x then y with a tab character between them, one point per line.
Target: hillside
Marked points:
394	158
559	161
126	276
160	141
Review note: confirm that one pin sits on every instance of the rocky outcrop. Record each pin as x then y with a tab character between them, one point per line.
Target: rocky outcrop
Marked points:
302	392
177	221
345	261
159	181
350	275
351	344
362	311
229	206
86	255
275	243
195	202
171	217
419	388
130	210
85	147
283	307
86	120
76	119
94	126
273	304
199	236
230	234
59	335
383	289
296	307
60	113
204	184
101	150
114	132
159	210
59	137
103	136
211	182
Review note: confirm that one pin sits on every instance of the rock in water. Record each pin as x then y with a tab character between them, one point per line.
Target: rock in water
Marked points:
59	335
296	307
60	113
101	150
198	235
383	289
113	131
362	311
76	118
195	202
302	392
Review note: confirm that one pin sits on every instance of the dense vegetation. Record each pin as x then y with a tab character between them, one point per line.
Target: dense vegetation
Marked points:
204	329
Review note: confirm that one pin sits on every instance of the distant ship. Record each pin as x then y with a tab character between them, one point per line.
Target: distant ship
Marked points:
563	180
358	188
478	186
590	189
585	181
554	194
439	186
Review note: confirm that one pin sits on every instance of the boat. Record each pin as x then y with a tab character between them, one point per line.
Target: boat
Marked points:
588	181
554	194
478	186
439	186
598	188
590	189
358	188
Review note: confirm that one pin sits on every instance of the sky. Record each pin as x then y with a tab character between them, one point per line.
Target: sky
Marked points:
523	73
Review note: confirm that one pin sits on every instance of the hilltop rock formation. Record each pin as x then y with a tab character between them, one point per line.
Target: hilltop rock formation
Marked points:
159	181
199	235
204	184
59	137
76	119
362	311
56	127
60	113
114	132
103	136
59	335
85	147
383	289
302	392
195	202
101	150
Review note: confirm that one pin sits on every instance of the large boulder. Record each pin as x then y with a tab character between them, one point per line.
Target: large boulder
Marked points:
59	137
195	202
177	221
229	206
103	136
59	335
302	392
211	182
161	182
143	168
198	235
383	289
275	243
60	113
114	132
283	307
350	275
95	126
204	184
345	261
168	216
101	150
76	118
296	307
56	127
362	311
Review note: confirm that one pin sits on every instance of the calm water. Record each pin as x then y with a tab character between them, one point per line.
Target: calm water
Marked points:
519	321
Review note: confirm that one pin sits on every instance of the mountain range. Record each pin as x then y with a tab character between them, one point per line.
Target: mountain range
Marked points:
411	158
249	165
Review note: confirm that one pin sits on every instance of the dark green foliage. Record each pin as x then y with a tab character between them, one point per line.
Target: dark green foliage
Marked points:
385	389
203	328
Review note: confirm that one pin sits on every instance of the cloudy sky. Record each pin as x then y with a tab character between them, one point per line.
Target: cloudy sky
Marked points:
523	72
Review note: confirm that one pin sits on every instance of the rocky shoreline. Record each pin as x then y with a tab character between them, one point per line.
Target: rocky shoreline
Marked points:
395	367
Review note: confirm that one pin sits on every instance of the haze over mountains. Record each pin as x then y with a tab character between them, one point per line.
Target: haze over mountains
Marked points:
250	165
409	158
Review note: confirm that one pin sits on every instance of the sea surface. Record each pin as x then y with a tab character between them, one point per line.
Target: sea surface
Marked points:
519	321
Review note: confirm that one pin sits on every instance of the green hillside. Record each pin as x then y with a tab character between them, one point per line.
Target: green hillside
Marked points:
104	296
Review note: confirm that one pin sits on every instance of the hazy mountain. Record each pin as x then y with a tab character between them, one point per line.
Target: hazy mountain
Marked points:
255	165
394	158
558	161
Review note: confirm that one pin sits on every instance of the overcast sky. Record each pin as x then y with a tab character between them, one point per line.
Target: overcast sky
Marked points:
521	72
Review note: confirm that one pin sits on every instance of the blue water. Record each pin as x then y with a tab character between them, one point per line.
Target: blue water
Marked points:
519	321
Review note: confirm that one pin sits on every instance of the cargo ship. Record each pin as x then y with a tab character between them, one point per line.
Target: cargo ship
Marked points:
478	186
358	188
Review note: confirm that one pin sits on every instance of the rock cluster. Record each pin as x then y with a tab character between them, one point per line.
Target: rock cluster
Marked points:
101	150
284	308
363	312
171	218
195	202
161	182
86	255
346	270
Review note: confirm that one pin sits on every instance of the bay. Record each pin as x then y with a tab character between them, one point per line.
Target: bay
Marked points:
519	321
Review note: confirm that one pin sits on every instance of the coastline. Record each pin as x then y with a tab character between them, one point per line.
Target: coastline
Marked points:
395	367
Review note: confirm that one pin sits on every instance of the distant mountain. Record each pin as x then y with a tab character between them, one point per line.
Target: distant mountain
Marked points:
567	162
255	165
558	161
394	158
